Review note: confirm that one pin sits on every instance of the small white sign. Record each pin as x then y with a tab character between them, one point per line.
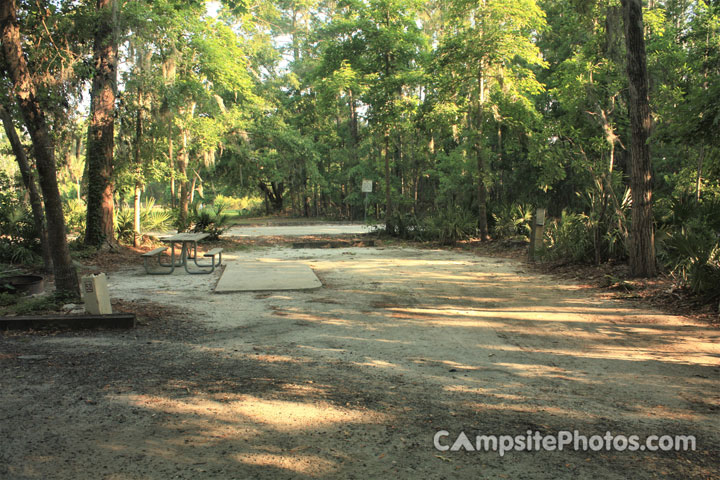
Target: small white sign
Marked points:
367	186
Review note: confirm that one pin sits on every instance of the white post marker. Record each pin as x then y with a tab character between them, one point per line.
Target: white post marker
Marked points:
367	187
95	294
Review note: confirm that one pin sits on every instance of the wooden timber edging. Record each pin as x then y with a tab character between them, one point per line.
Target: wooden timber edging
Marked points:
73	322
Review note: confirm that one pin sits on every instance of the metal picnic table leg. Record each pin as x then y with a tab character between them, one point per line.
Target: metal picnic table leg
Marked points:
171	266
204	270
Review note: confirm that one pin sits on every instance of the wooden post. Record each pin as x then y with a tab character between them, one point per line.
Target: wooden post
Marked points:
537	233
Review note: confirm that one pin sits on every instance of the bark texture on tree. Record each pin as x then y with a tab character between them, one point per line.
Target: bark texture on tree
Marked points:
481	187
642	237
29	182
274	195
182	164
66	281
388	196
138	169
101	128
482	196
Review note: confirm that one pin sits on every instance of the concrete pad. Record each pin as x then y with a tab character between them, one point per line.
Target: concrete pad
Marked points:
298	230
268	274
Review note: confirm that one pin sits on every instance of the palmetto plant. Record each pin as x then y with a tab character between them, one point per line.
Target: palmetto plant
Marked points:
511	220
209	220
450	226
152	218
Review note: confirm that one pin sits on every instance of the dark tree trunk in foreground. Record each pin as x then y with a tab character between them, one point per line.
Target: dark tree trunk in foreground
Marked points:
99	227
29	182
66	281
642	240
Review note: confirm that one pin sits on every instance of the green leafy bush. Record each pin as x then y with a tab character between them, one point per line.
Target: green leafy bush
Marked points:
209	220
7	299
36	304
688	243
244	205
152	218
75	216
19	239
513	220
569	237
694	260
449	226
404	225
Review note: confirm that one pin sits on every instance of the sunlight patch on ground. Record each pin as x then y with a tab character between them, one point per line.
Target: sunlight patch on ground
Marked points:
620	353
311	465
372	339
537	370
296	315
530	313
376	363
533	409
278	414
666	413
483	391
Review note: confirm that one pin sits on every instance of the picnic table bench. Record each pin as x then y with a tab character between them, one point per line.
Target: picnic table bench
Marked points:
188	251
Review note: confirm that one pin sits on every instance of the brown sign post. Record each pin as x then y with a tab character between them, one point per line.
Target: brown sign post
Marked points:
538	230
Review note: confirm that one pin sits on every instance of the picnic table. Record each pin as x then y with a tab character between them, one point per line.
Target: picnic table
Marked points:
187	243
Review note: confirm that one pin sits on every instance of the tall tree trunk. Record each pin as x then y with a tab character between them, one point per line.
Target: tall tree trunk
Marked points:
698	178
182	163
138	169
481	188
99	227
66	281
642	239
171	161
29	182
78	179
388	197
273	195
354	136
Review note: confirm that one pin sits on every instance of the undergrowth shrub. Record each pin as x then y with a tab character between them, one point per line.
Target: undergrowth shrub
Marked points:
688	240
75	216
244	206
447	227
19	239
209	220
512	220
403	225
569	237
152	218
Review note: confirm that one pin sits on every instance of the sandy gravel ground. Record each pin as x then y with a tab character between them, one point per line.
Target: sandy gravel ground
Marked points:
354	379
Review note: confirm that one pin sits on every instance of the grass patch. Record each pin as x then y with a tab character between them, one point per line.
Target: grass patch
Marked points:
19	305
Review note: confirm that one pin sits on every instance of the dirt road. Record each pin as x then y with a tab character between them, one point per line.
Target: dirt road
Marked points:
353	380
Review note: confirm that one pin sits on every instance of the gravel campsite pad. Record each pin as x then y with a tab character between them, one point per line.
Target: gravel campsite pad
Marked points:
354	379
